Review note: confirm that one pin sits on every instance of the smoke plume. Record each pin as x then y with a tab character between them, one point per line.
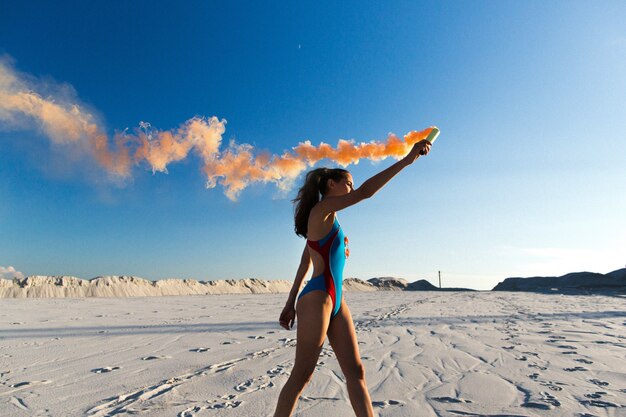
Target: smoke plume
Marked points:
233	166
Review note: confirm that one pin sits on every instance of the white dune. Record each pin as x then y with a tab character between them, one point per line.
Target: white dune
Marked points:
38	286
129	286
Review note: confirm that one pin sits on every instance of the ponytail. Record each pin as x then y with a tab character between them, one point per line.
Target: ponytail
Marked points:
315	186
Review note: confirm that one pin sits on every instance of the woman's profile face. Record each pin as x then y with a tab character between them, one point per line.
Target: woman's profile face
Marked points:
343	186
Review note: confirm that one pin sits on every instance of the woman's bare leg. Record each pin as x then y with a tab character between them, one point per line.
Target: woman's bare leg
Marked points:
313	312
342	337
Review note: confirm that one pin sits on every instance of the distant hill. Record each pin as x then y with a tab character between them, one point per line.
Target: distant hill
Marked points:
575	281
423	285
399	284
357	285
389	283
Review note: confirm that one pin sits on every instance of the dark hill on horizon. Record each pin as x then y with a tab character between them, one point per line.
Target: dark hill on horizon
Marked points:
575	281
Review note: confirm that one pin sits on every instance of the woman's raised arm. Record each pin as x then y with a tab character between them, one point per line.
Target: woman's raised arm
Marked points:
375	183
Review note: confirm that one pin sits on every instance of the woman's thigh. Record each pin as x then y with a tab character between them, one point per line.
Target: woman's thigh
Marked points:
313	316
342	338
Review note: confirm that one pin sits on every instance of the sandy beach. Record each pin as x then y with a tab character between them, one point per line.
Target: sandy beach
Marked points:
426	354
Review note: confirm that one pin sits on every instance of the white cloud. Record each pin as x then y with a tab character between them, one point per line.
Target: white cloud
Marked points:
9	273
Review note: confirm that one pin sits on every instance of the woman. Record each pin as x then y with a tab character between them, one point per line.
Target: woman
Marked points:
320	305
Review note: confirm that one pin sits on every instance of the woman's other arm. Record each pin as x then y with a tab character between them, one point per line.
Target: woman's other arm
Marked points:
288	315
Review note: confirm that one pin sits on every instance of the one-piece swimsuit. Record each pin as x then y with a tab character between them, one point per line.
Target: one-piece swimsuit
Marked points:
332	249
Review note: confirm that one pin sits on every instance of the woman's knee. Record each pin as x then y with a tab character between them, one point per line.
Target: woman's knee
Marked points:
355	372
302	375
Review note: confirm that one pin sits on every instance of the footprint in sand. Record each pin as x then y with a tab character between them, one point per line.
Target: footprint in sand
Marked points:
308	399
279	370
191	411
575	369
19	403
229	402
596	395
599	382
244	386
554	386
566	347
256	384
550	399
326	353
256	337
105	369
546	402
30	383
387	403
199	350
233	342
452	400
260	354
599	403
586	361
152	358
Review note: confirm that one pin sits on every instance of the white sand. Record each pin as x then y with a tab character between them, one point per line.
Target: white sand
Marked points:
426	354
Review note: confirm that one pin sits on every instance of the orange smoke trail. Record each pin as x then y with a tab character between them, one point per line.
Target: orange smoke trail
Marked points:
235	167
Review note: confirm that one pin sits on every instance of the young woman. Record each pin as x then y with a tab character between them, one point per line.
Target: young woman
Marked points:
320	305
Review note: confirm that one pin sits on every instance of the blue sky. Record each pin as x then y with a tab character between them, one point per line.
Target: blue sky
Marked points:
526	179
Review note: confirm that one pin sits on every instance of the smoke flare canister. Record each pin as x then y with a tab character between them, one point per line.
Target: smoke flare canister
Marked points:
432	136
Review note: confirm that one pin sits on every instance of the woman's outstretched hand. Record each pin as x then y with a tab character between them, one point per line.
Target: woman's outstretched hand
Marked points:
287	317
420	148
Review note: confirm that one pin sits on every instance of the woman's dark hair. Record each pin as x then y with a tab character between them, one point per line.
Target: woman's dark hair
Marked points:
315	184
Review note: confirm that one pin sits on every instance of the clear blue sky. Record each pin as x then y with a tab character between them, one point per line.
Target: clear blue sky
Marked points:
527	178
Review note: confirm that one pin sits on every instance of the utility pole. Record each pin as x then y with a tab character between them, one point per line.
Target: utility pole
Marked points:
439	279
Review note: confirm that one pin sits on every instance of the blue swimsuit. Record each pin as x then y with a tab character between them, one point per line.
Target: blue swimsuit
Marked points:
332	248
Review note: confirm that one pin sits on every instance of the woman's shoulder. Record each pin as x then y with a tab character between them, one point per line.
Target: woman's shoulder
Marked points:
320	224
317	214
